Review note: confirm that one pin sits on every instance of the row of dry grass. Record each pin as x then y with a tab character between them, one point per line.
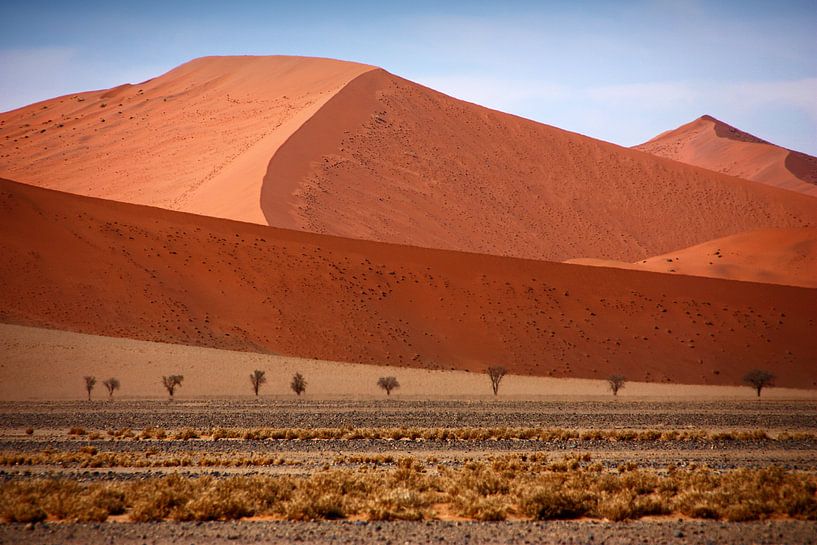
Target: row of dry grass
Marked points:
446	434
91	457
510	486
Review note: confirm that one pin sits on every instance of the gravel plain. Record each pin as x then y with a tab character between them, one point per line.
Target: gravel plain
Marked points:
50	422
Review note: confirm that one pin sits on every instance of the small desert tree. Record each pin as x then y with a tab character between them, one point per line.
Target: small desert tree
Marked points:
616	383
758	379
257	379
298	384
90	382
171	383
496	375
111	384
388	384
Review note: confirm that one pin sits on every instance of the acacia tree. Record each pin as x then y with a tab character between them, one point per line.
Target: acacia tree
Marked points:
388	384
171	383
496	374
257	379
90	382
298	384
616	383
111	384
758	379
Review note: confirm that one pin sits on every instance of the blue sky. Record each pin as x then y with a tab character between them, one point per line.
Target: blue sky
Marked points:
621	71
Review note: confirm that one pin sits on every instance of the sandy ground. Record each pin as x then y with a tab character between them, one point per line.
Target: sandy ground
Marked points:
197	138
49	364
775	256
712	144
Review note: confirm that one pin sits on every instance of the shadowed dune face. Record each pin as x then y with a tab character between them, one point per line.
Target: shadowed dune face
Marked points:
108	268
386	159
774	256
197	138
712	144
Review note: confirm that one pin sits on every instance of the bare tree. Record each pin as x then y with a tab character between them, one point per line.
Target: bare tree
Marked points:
758	379
388	384
90	382
111	384
298	384
496	375
171	383
616	383
257	378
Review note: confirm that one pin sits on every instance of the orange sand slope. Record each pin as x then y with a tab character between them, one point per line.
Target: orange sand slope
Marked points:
197	138
386	159
774	256
709	143
342	149
102	267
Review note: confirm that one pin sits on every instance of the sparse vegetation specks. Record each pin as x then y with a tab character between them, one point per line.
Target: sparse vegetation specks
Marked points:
388	384
759	379
496	374
298	384
90	382
616	383
257	379
172	382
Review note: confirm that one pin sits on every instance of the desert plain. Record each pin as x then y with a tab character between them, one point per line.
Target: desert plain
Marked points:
275	217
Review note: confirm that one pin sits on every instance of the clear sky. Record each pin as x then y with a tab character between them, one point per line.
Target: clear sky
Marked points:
622	71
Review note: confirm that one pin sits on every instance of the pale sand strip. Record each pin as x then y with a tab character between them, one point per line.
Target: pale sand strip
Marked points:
49	364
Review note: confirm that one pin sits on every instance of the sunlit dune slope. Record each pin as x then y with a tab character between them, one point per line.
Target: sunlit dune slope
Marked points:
197	138
775	256
386	159
710	143
94	266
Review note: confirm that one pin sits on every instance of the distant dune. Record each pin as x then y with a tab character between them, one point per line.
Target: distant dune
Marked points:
101	267
710	143
774	256
197	138
344	149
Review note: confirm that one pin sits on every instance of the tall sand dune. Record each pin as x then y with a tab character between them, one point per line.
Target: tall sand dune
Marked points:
386	159
106	268
343	149
774	256
197	138
712	144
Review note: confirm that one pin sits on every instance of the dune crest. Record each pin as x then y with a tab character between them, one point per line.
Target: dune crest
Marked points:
715	145
106	268
197	138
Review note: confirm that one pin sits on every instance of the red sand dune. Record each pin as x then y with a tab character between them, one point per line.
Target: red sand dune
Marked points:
370	155
709	143
197	138
89	265
772	256
386	159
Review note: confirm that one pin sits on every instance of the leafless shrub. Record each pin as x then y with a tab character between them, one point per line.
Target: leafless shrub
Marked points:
759	379
111	384
496	374
616	383
257	379
171	383
388	384
298	384
90	382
